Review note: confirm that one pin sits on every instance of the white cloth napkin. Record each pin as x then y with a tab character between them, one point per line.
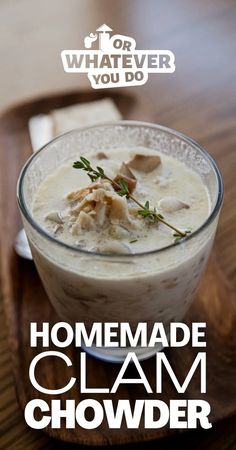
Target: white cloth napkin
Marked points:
44	127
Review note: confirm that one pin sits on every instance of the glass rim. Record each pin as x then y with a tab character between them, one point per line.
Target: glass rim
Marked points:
135	123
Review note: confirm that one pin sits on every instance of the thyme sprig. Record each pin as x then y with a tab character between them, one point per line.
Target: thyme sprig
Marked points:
93	174
178	237
146	212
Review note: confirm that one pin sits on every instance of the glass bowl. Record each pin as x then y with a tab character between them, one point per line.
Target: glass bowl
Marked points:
156	286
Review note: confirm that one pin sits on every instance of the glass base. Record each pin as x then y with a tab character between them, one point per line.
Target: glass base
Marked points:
118	355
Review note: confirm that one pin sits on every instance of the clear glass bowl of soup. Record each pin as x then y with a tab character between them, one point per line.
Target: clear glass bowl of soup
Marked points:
153	286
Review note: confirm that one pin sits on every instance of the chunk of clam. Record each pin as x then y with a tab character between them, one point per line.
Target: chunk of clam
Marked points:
84	222
101	212
54	216
126	174
101	155
118	231
171	204
144	163
114	247
119	213
82	193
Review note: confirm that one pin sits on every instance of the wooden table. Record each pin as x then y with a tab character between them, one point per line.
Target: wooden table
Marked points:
199	100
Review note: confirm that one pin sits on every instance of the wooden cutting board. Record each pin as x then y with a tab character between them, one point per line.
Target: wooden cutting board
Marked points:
25	301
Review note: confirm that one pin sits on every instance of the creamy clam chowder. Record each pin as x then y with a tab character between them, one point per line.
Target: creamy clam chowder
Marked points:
93	216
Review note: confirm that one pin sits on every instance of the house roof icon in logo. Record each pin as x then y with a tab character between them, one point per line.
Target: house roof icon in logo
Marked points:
104	37
104	28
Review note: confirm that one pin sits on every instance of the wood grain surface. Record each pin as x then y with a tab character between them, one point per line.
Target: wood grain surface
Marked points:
199	100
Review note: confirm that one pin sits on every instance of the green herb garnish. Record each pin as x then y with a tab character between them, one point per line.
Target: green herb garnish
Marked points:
151	214
178	237
124	190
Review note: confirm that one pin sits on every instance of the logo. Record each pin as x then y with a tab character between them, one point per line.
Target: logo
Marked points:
116	62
